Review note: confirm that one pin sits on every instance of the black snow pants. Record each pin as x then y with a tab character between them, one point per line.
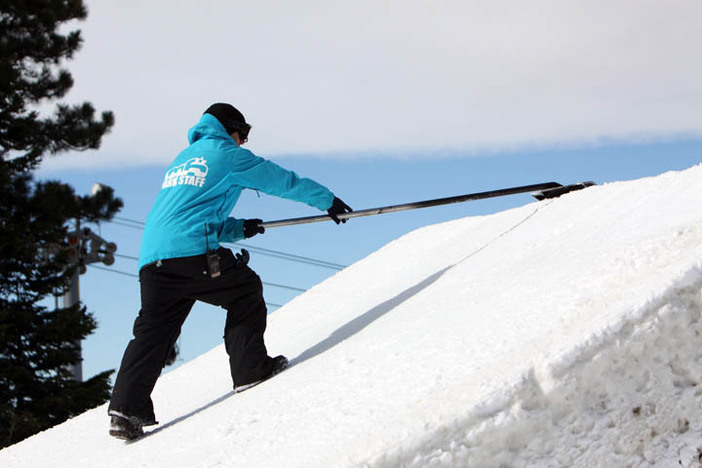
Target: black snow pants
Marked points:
169	289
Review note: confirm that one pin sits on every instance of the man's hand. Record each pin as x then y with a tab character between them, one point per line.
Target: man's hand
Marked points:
253	227
338	207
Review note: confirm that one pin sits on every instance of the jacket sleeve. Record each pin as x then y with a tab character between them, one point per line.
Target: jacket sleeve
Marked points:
257	173
231	230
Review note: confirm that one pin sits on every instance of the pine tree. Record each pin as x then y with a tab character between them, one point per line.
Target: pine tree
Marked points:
39	340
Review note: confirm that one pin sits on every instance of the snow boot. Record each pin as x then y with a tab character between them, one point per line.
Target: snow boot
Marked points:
125	428
279	364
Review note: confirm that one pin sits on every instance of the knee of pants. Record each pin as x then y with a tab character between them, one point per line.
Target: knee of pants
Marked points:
251	314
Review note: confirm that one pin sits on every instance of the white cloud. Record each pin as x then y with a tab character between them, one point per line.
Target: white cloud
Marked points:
349	77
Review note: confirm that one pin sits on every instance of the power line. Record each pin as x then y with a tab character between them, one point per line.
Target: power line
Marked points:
255	249
292	257
112	270
124	273
127	223
292	288
283	255
120	221
128	257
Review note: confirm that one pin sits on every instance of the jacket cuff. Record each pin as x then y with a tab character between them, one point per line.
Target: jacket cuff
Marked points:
232	230
328	202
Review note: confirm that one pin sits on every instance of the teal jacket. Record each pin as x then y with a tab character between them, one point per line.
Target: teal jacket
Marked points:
201	187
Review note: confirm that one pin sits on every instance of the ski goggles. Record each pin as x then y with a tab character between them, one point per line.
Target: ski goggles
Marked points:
242	127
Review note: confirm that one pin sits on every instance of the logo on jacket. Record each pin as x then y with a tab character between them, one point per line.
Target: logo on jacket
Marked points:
193	172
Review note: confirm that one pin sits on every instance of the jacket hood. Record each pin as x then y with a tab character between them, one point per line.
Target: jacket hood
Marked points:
208	126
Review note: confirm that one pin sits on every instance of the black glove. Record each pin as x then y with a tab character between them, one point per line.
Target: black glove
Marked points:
338	207
253	227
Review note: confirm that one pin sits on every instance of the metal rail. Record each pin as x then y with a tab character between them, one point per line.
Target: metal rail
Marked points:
415	205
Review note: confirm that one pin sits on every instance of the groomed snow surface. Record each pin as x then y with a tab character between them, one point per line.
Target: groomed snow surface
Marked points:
565	332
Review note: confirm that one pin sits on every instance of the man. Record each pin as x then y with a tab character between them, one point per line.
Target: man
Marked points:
181	261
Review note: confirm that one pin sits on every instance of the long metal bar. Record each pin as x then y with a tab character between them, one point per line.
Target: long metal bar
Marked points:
415	205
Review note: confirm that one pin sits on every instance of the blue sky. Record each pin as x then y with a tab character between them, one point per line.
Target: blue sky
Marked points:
382	104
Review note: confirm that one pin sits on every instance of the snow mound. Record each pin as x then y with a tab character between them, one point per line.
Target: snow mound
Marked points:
562	333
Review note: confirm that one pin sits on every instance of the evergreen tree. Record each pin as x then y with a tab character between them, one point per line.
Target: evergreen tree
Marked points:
39	340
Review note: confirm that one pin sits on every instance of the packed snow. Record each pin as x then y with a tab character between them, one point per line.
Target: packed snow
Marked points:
565	332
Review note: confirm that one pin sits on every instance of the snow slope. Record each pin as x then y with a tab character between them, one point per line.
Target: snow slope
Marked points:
565	332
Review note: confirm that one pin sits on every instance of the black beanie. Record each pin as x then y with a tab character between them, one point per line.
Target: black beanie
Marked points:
227	116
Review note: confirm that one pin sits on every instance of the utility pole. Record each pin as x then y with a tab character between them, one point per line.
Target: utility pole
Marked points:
71	298
85	247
